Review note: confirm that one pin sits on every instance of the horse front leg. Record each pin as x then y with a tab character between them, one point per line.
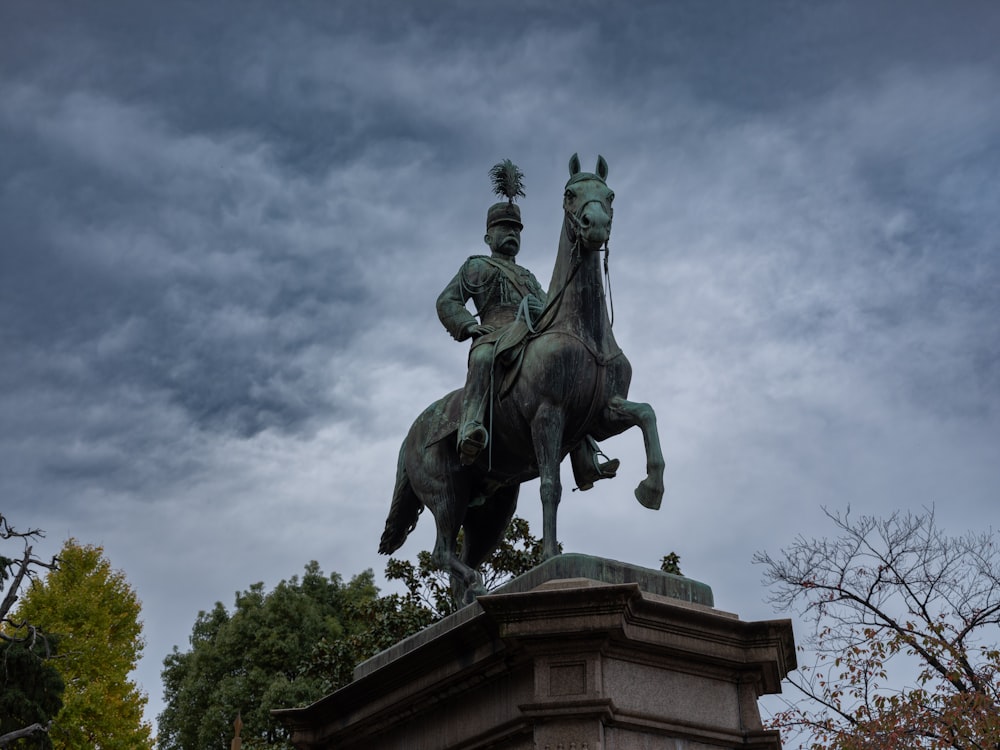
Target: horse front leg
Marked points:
546	434
650	490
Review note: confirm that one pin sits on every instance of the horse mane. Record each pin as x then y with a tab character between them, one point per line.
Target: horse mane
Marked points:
566	257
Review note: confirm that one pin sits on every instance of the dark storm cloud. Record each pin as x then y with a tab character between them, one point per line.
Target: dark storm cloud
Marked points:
854	226
149	271
204	207
170	261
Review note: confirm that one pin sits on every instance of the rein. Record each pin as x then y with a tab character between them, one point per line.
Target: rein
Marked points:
607	283
577	226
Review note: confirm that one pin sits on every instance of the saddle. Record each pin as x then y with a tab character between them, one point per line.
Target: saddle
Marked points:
446	415
508	353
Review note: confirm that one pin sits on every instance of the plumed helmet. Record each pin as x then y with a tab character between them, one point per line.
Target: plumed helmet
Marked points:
501	212
507	182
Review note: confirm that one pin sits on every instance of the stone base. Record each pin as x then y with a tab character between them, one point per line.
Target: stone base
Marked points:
557	661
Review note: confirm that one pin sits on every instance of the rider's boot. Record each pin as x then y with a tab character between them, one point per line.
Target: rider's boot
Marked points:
473	437
472	433
587	465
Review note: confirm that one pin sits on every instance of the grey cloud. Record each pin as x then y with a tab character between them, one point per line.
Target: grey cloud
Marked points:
225	227
155	271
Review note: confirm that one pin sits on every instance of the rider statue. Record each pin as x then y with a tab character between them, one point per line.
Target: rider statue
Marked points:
502	291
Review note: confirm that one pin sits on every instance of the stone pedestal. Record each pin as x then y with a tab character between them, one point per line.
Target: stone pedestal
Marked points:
581	653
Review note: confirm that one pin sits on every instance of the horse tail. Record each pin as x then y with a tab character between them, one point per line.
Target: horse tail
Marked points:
404	511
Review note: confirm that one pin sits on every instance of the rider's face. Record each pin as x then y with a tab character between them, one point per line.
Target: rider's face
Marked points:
504	238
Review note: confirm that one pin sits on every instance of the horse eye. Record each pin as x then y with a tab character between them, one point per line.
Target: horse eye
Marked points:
611	198
569	195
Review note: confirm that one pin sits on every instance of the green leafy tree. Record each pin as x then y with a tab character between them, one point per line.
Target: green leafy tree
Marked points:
299	642
671	563
428	598
30	695
95	614
255	659
906	630
30	686
387	620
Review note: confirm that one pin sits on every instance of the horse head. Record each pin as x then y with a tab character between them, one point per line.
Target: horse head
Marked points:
587	203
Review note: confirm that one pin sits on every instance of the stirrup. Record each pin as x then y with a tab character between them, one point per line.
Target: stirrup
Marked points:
606	470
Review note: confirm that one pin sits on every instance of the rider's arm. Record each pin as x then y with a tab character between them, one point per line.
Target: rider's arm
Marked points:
451	302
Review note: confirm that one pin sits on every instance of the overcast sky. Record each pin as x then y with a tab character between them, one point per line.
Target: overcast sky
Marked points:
224	227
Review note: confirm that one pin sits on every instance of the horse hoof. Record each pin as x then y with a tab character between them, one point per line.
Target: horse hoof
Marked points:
648	496
473	592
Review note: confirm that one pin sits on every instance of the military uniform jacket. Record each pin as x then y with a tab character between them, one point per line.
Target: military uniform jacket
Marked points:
497	287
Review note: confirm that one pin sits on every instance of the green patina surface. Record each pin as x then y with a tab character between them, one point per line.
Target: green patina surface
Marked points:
571	565
570	392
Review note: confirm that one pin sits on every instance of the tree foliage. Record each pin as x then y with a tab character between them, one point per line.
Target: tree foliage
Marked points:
291	646
671	563
255	659
30	686
907	626
93	611
385	621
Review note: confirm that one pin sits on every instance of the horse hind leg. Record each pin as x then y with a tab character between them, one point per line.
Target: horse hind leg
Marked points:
486	523
466	583
623	413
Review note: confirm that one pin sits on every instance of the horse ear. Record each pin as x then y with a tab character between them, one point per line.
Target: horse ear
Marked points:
602	167
574	164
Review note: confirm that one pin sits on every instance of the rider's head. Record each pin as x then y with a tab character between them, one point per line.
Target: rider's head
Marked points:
503	228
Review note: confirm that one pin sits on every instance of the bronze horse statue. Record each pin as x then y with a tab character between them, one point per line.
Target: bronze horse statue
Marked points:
573	380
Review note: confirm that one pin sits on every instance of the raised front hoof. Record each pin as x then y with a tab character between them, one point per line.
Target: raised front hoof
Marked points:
648	495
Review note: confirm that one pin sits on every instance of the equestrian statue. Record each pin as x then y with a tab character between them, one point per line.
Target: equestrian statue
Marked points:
546	379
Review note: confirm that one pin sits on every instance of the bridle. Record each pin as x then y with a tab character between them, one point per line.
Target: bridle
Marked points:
574	223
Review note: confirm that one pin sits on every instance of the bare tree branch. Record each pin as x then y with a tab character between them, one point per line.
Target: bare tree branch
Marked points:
19	569
17	734
894	601
13	573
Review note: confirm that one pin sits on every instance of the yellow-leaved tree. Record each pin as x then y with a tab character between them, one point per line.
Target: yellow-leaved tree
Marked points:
93	611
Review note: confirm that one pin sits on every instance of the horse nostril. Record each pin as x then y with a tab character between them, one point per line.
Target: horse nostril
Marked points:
585	220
